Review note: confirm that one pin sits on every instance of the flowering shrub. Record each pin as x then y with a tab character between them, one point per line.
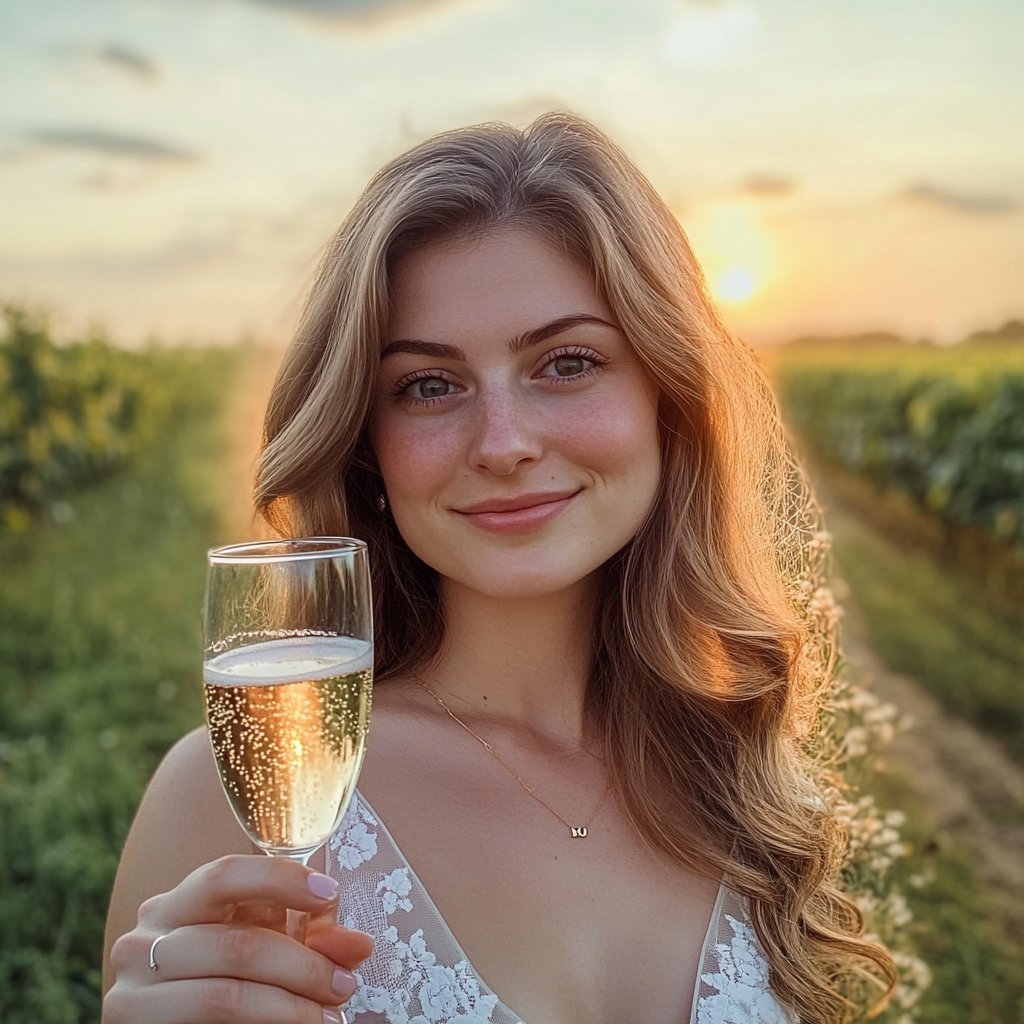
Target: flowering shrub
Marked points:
875	846
857	726
842	743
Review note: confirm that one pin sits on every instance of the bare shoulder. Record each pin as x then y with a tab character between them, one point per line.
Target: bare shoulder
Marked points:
184	821
184	815
401	714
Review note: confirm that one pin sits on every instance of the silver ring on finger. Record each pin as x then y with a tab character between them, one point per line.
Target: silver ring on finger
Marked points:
152	951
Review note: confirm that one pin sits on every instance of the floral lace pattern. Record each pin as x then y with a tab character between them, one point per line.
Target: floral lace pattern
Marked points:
734	978
418	973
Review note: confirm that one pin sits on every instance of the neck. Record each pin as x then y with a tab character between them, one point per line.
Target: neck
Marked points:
526	661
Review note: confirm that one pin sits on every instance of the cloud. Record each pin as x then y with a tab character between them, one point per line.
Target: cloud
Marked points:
112	56
247	236
963	202
126	60
708	31
353	12
768	186
114	161
108	144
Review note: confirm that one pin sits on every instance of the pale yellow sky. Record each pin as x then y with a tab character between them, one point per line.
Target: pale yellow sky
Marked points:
172	167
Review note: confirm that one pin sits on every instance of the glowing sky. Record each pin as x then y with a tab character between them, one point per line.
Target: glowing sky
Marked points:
174	166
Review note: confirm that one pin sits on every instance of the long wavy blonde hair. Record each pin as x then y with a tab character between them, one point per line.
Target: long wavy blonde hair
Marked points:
710	660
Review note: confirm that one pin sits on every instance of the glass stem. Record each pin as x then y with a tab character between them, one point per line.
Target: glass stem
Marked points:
296	924
295	920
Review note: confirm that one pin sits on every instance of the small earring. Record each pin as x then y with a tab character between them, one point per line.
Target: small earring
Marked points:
381	503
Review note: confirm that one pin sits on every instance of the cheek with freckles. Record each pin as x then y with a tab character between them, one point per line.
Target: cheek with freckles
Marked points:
415	464
609	438
418	461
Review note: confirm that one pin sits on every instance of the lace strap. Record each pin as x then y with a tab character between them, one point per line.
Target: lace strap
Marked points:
417	973
732	985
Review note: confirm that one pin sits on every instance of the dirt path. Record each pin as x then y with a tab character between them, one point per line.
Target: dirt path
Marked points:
245	426
973	791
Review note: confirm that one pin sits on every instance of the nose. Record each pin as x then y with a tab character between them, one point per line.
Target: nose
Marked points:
506	438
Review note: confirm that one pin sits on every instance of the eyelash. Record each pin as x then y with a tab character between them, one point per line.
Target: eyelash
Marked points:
572	352
399	390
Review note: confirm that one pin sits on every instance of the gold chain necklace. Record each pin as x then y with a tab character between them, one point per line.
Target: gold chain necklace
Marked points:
576	831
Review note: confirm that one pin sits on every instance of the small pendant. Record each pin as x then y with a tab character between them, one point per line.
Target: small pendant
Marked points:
578	833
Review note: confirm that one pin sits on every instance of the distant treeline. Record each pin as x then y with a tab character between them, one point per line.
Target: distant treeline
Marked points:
924	445
943	425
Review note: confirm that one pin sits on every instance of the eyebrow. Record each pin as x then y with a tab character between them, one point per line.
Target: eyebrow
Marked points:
518	344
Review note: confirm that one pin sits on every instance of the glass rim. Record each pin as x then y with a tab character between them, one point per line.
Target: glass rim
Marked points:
262	551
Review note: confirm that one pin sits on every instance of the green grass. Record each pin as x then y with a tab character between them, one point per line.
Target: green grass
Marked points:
926	621
926	624
99	655
976	960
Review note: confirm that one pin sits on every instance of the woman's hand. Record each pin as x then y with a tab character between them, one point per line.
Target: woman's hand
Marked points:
224	957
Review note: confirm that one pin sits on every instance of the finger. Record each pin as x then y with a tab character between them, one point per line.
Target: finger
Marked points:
265	917
323	933
210	894
253	955
342	945
212	1001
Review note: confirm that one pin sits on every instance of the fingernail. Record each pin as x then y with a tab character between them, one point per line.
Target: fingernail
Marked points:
343	983
323	886
332	1017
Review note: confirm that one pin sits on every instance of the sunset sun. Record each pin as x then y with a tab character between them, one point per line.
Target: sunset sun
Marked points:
734	285
737	253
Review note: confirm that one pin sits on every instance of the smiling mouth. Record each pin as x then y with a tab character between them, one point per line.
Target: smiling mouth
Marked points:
519	504
519	514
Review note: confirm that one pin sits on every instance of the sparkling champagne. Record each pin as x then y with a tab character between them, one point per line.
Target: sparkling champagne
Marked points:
288	721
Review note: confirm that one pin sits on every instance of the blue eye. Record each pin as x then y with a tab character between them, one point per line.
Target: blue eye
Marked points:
431	387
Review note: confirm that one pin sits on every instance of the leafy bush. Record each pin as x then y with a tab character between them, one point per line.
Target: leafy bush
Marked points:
68	414
944	426
99	655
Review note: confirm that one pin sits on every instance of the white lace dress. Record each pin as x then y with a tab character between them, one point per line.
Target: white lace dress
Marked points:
418	974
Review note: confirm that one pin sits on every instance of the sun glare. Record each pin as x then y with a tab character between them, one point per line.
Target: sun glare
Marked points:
737	254
734	285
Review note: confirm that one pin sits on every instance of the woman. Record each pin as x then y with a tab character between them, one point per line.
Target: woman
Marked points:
598	661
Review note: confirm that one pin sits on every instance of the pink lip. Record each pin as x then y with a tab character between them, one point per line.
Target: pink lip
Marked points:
517	515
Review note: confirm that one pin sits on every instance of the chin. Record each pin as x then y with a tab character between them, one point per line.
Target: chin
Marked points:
519	582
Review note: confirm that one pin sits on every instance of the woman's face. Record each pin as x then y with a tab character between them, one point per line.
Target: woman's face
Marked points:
515	428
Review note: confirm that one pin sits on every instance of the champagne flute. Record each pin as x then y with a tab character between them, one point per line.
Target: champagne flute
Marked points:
287	673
